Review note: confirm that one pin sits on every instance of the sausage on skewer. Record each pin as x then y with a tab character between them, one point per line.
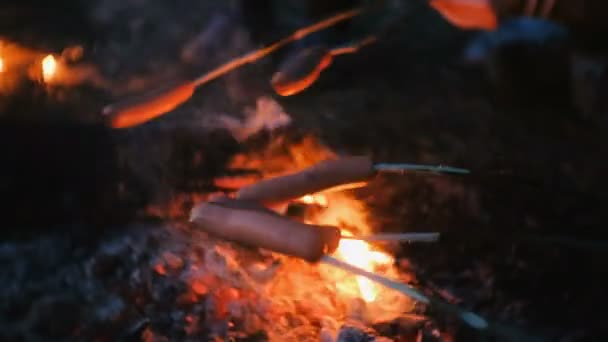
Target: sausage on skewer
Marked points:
249	224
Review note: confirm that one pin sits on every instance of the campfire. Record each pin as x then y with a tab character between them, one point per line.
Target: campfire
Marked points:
282	248
286	297
348	281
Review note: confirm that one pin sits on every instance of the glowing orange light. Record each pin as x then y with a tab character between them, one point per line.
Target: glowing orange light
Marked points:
314	199
355	252
1	65
199	287
49	68
160	269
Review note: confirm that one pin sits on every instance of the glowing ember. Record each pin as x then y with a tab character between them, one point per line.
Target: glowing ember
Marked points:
49	68
160	269
199	287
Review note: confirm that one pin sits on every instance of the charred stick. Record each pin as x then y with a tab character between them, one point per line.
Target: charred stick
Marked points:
138	110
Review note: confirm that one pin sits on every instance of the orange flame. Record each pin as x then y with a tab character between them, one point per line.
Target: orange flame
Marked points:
49	68
355	252
313	291
1	65
359	253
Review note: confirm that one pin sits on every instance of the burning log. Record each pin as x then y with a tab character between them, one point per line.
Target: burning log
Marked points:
248	224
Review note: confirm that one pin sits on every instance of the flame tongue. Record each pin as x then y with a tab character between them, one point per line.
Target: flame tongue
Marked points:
49	68
355	252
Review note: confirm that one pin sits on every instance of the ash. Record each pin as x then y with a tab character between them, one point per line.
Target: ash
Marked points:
165	282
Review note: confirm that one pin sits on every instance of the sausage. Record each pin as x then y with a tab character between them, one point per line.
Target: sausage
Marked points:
326	174
138	110
467	14
244	224
301	70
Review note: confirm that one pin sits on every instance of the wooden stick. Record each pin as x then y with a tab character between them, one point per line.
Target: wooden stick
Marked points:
345	187
404	167
468	317
328	174
398	237
258	54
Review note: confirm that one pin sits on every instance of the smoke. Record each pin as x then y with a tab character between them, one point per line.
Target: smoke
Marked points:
267	116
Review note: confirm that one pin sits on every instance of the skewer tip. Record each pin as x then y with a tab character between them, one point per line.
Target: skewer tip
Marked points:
403	167
474	320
